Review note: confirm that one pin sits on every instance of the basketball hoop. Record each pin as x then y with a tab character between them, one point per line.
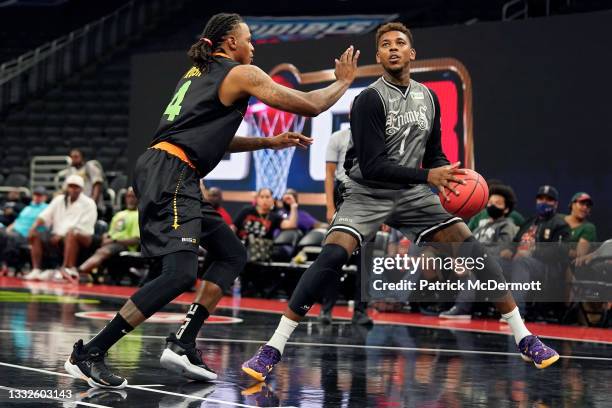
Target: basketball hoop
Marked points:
272	166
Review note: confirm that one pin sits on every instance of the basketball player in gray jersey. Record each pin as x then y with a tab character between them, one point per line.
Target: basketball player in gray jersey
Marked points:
394	158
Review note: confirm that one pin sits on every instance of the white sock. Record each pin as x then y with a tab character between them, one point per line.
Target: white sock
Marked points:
282	334
516	324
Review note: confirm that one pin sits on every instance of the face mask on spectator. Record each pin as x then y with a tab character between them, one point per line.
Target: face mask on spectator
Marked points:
544	209
494	211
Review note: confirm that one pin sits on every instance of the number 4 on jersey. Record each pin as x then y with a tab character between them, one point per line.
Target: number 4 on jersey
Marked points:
174	108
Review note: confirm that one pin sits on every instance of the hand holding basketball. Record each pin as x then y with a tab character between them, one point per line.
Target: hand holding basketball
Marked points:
289	139
346	65
471	194
441	177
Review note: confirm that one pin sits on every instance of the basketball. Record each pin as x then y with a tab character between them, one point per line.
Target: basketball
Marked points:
472	198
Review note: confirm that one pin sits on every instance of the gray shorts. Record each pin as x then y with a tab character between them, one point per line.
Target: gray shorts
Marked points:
415	212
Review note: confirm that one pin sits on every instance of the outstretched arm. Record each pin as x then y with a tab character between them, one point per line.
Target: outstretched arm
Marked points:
249	80
282	141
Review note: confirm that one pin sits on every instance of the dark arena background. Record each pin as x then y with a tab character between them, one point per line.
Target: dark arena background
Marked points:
525	99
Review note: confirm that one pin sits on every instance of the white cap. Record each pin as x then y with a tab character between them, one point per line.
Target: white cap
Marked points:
75	179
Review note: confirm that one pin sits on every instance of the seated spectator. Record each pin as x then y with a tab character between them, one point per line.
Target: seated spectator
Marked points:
214	196
256	224
123	235
11	207
305	221
496	234
69	216
482	217
583	232
16	234
531	261
91	173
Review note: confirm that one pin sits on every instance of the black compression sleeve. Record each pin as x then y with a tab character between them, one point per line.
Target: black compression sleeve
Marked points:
434	156
368	132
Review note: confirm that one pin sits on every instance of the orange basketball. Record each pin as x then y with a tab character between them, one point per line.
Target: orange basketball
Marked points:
472	198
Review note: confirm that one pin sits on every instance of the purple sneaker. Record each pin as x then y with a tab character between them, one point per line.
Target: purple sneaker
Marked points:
532	349
262	363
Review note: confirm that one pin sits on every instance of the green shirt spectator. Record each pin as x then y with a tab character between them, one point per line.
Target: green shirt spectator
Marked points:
583	231
124	225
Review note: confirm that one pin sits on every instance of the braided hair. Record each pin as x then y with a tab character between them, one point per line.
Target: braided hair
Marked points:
210	40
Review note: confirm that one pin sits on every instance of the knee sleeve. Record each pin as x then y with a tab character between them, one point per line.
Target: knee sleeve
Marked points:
178	275
491	270
321	273
226	265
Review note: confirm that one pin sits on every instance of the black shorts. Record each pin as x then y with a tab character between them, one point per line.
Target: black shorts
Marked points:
171	212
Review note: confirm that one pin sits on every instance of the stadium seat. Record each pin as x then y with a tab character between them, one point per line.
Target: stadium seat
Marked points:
52	107
118	120
119	182
48	132
40	150
11	161
121	163
91	132
16	150
34	118
56	120
115	132
110	151
97	120
313	238
106	162
285	245
99	142
16	180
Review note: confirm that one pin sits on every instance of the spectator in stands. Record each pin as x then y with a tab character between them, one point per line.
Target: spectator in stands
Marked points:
16	234
534	262
334	168
11	207
214	196
68	214
256	224
482	217
90	171
305	221
123	235
496	235
583	232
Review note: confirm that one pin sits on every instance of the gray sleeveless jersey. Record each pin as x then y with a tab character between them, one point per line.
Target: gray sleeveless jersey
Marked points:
409	120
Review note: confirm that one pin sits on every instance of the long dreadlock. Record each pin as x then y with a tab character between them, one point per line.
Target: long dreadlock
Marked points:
210	40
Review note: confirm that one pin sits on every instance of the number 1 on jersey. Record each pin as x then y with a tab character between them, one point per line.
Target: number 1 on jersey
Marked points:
174	108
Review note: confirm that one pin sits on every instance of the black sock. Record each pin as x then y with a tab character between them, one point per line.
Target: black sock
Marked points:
194	320
109	335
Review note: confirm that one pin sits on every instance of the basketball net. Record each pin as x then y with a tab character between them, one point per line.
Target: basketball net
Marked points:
272	166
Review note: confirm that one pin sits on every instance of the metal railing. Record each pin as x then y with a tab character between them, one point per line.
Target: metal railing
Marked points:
57	60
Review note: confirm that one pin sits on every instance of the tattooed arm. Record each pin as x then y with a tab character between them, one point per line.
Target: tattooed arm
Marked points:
249	80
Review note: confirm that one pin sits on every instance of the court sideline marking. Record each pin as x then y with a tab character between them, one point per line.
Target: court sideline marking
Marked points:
86	292
87	404
136	387
307	344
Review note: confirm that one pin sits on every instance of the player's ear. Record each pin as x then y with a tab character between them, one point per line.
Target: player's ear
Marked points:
377	58
231	42
412	54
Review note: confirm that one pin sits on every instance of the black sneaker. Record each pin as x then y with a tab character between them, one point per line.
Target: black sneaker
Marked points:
325	318
89	366
361	318
185	359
